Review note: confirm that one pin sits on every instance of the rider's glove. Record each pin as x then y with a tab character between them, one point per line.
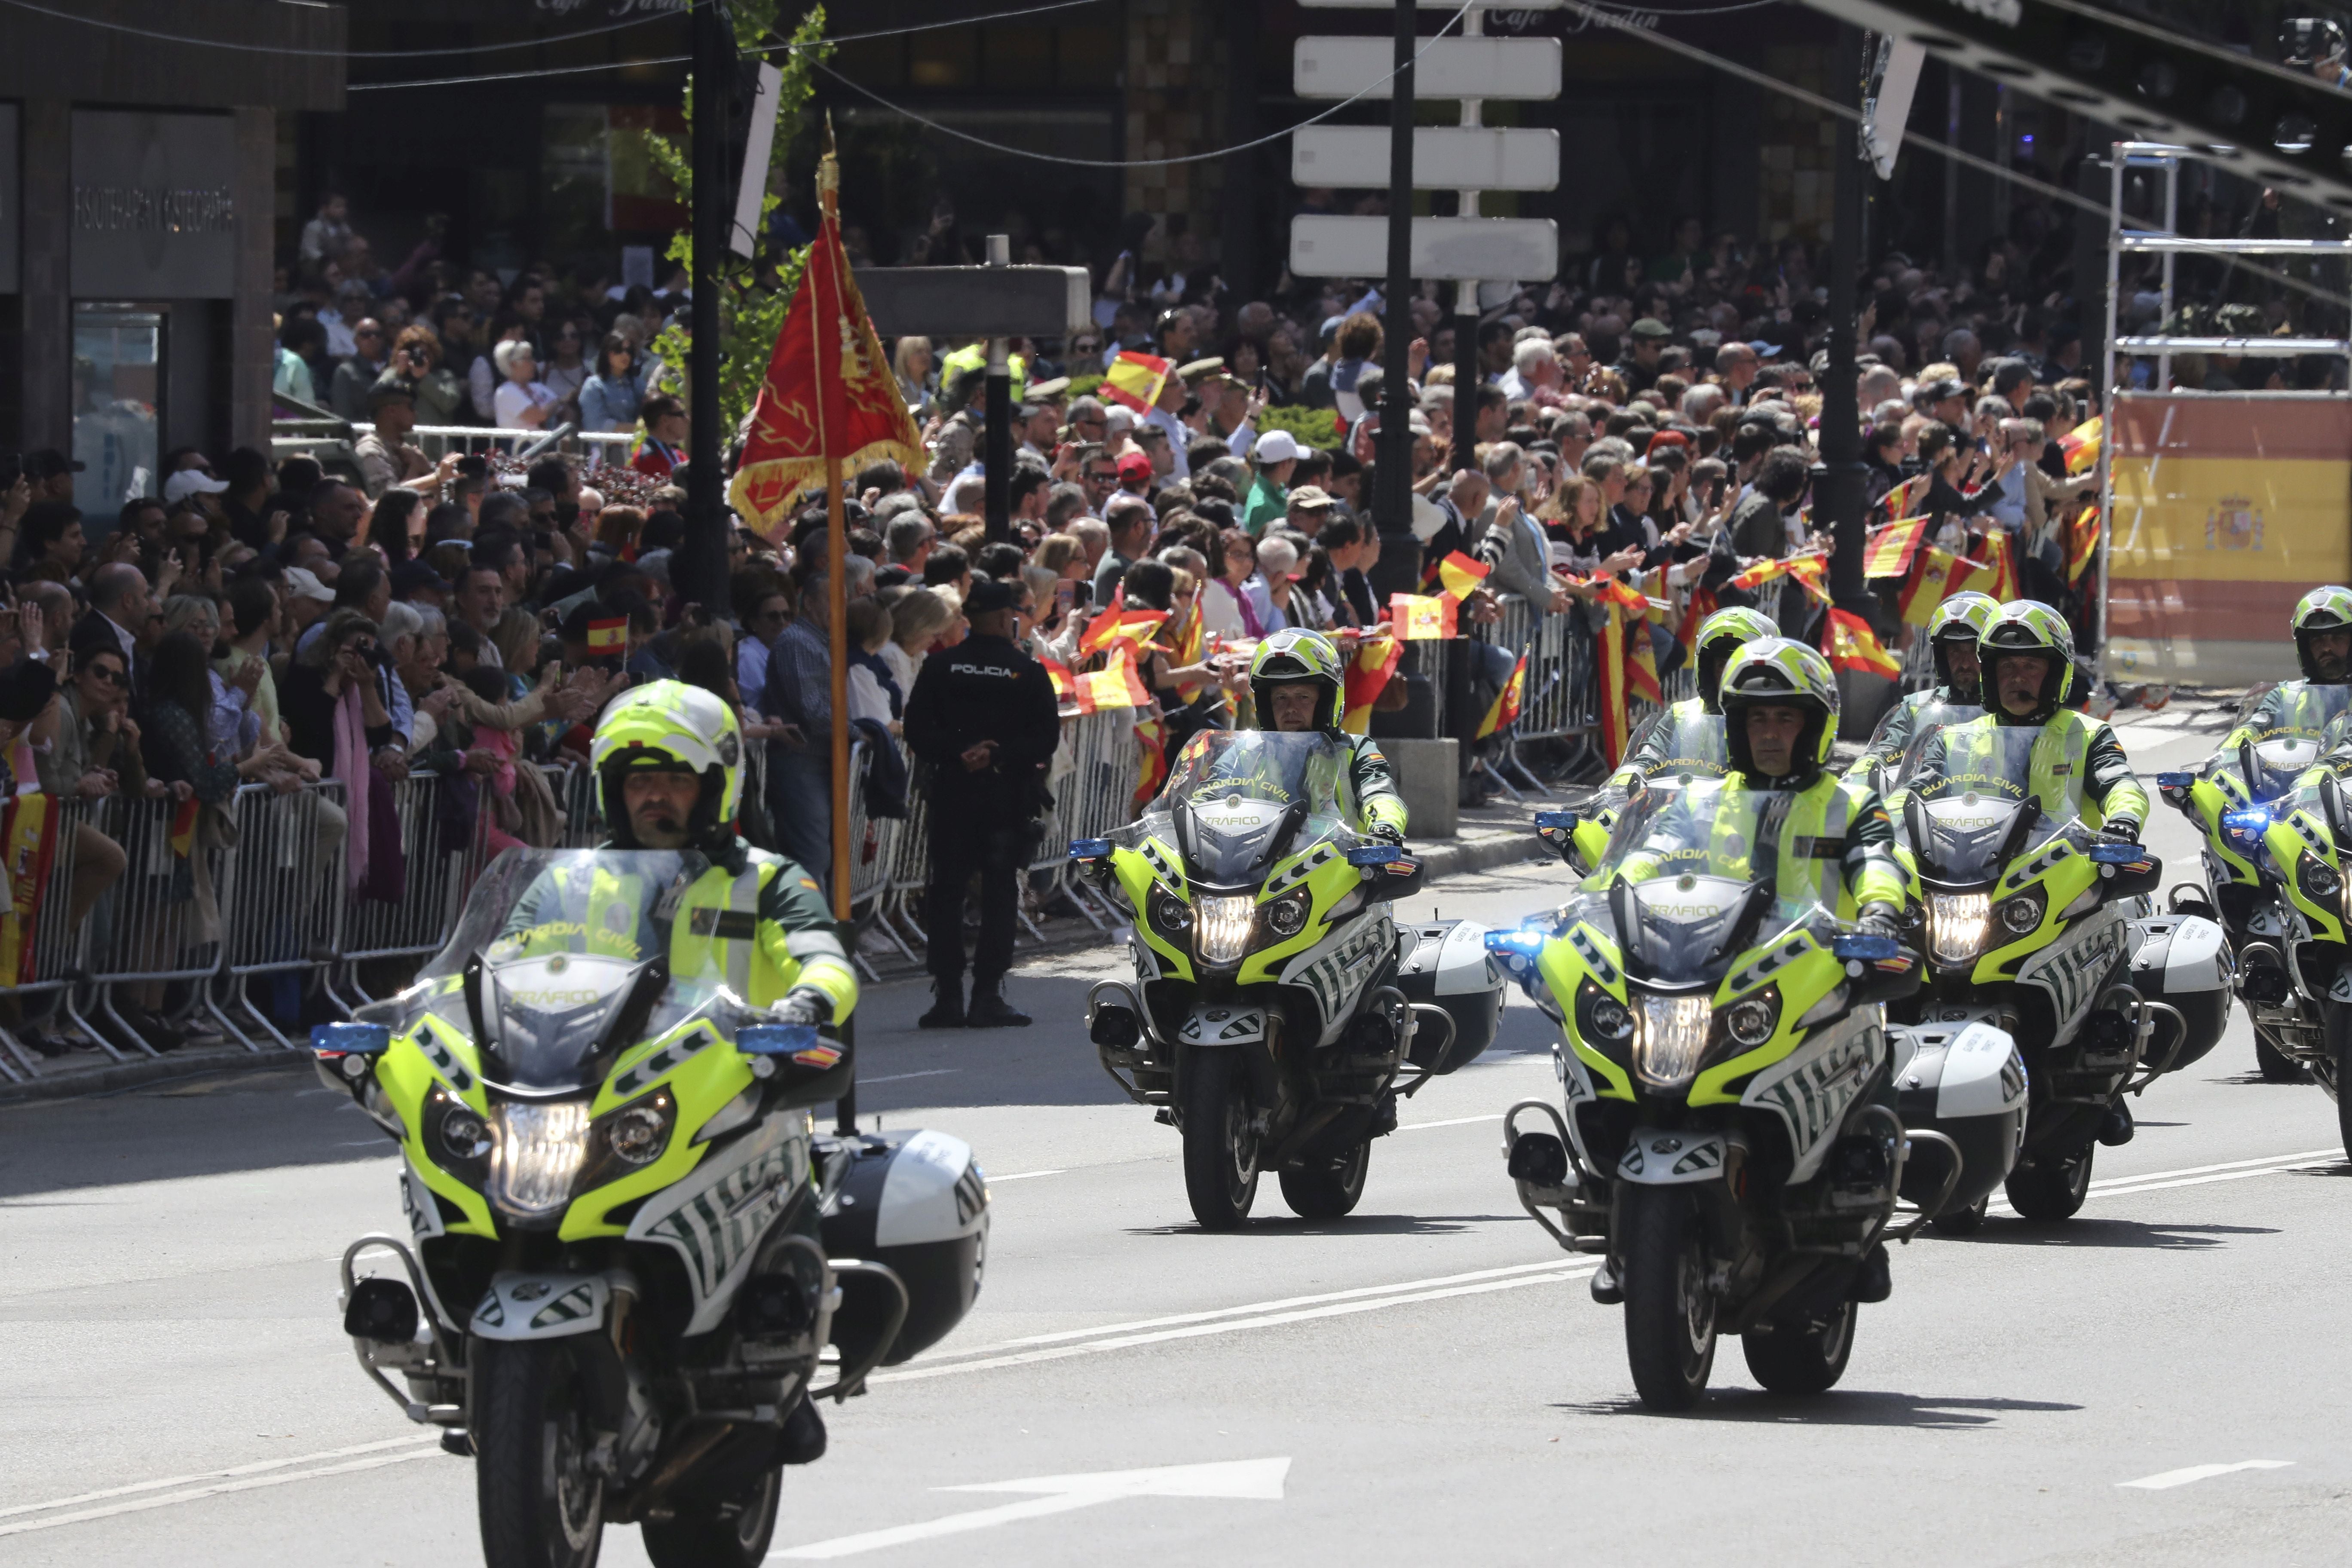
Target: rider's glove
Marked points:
1389	833
1880	920
804	1005
2120	830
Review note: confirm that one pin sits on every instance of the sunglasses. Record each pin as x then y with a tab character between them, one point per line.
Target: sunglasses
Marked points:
1098	478
110	675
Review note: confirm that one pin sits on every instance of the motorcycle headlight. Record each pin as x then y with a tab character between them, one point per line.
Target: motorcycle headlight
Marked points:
1751	1020
1957	926
537	1153
465	1136
2022	914
637	1134
2318	878
1600	1019
1170	913
1287	916
1670	1038
1222	928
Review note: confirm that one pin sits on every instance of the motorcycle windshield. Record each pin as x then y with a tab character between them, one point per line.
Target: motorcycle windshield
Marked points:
2270	767
1693	747
1239	800
1973	804
574	945
1930	722
1688	859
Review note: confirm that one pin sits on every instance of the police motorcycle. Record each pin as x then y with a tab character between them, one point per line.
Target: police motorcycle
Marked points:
2232	800
1729	1144
2301	853
1278	1009
2025	922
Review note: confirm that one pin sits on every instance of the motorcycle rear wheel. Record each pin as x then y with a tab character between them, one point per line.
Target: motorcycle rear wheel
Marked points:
1329	1190
2274	1064
1669	1314
541	1507
1221	1148
2051	1189
1801	1359
730	1532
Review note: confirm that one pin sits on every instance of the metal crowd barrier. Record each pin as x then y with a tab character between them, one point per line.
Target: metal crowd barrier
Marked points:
144	930
282	896
59	947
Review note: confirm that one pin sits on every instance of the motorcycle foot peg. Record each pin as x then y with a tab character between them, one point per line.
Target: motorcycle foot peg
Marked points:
455	1440
802	1442
2117	1130
1605	1288
1873	1282
1165	1116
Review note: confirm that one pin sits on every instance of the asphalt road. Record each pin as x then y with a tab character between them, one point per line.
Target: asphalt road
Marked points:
1425	1377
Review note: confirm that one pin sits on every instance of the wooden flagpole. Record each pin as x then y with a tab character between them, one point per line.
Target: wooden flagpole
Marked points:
836	551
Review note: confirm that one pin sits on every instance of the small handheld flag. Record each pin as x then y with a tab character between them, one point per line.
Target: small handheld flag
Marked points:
608	637
1135	380
1852	646
1506	708
1460	576
1421	618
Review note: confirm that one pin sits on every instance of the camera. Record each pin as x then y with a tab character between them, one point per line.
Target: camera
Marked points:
2307	40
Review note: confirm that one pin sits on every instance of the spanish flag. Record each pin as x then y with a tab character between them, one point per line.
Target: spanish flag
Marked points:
1616	719
1903	497
1065	688
183	828
28	841
1939	575
1152	738
1366	677
2082	542
1116	685
1892	547
608	637
1851	645
2081	445
2000	559
1418	618
1629	614
1135	380
1459	575
1118	625
1809	571
1506	710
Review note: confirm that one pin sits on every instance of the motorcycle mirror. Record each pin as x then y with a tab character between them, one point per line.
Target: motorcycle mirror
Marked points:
351	1039
1376	854
774	1040
1863	947
2118	854
1565	821
2175	781
1089	848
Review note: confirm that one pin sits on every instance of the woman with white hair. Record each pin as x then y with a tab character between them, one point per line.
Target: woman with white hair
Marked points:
1278	565
523	400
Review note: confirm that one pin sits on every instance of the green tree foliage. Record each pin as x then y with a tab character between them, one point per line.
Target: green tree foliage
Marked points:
754	294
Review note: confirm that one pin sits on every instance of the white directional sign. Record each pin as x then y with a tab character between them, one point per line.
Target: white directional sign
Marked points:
1444	157
1451	68
1256	1480
1444	248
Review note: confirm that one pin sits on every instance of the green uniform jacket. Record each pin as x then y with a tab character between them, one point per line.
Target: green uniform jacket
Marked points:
2079	767
1375	783
2290	708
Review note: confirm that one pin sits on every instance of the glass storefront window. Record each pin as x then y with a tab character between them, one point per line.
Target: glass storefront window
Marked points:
118	388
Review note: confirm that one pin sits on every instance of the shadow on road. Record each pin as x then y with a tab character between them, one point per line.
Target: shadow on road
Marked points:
1277	1224
1840	1407
2080	1232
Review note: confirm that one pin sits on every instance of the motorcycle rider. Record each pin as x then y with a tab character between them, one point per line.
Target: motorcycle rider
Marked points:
1686	732
668	763
1295	686
2323	645
1952	634
1830	838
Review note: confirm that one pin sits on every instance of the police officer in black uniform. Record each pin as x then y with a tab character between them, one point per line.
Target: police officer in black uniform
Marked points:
982	714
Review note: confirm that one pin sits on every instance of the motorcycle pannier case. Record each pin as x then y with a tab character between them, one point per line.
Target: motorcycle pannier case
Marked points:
2183	962
1966	1081
917	1202
1444	963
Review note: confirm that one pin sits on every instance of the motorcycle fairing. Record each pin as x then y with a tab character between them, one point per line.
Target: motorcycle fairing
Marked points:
1222	1024
1657	1157
714	1217
2076	969
519	1306
1813	1089
1337	969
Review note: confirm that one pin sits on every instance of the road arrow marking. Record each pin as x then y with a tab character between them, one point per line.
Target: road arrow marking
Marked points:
2171	1478
1258	1481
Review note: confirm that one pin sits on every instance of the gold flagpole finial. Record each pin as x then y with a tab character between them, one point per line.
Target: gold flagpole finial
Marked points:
828	173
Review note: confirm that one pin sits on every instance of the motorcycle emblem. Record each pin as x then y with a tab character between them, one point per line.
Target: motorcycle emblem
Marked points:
530	1290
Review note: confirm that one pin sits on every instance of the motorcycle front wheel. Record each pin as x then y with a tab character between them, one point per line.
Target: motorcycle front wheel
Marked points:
2050	1188
1806	1358
724	1532
1669	1312
1221	1142
541	1506
1328	1189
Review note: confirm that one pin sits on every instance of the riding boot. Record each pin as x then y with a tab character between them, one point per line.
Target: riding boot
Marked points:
1604	1286
2117	1130
991	1011
1873	1281
947	1007
802	1442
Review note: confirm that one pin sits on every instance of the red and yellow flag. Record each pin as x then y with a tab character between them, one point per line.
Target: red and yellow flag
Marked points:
1135	380
1152	738
1506	709
1116	685
1702	604
2081	445
1417	617
1810	570
1939	575
829	395
608	637
1629	611
1852	645
1459	576
1892	547
2001	560
183	828
2082	542
1906	497
1118	626
1366	677
1616	718
1065	688
28	841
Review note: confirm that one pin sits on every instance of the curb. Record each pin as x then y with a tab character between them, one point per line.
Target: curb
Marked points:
1451	860
110	1077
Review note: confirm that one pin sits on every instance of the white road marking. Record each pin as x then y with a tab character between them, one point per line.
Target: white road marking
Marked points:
1028	1175
902	1077
241	1478
2198	1175
1456	1121
2171	1478
1258	1481
1539	1274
